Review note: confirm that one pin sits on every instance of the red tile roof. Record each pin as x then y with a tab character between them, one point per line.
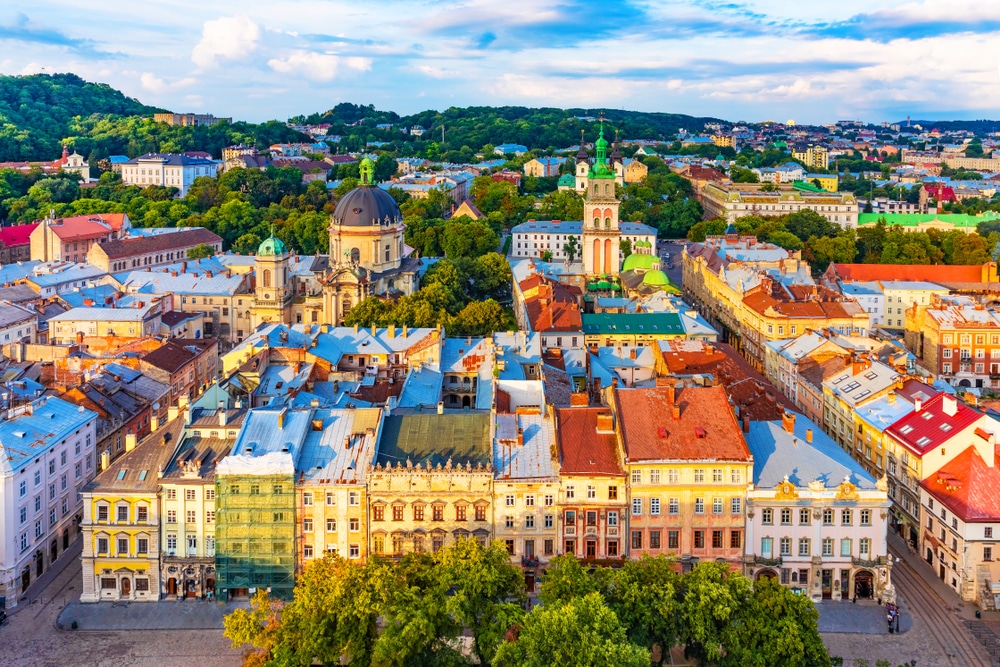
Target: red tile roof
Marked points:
968	486
912	272
582	450
705	428
141	245
923	430
550	306
17	235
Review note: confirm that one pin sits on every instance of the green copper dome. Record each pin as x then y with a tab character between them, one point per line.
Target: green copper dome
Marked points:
640	262
271	247
656	278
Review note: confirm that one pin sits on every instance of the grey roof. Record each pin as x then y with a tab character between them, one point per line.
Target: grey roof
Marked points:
422	387
576	227
855	389
778	453
102	315
367	205
33	433
11	314
172	159
533	458
137	470
462	438
342	449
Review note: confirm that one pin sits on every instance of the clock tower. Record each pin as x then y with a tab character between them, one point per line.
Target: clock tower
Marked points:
274	291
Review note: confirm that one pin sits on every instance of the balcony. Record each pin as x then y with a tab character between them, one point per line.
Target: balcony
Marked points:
773	562
530	561
881	561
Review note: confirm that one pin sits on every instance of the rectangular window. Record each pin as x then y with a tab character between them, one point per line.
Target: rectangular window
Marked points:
122	513
735	539
637	539
637	476
353	499
699	539
480	512
354	525
864	547
331	525
674	506
786	516
307	499
699	505
142	546
767	516
654	476
307	525
766	546
736	506
717	506
189	494
612	493
987	554
550	500
570	492
171	516
122	546
717	475
378	513
192	516
437	513
102	545
549	521
529	500
699	475
804	547
397	512
846	517
637	507
591	492
786	546
210	516
716	539
988	532
509	501
845	546
866	517
307	551
672	476
828	517
654	506
654	539
142	514
529	520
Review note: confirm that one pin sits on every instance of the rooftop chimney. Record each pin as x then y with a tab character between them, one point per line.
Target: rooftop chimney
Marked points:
809	435
130	441
788	421
605	422
440	407
949	405
745	420
917	404
222	417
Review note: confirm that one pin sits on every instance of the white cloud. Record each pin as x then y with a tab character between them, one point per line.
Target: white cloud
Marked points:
317	66
157	86
437	72
225	38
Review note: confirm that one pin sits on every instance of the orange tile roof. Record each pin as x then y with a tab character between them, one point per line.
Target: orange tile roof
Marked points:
705	428
914	272
968	486
582	450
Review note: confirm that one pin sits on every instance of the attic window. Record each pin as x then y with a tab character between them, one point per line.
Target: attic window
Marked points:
923	441
928	416
871	375
699	433
945	427
121	474
906	429
142	475
662	432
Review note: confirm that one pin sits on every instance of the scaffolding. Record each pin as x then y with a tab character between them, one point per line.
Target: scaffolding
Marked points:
255	535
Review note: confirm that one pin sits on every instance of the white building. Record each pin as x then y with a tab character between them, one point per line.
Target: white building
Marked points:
869	296
17	324
534	237
815	519
167	169
46	456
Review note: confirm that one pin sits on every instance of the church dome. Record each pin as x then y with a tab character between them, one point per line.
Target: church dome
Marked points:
656	278
271	247
639	261
367	204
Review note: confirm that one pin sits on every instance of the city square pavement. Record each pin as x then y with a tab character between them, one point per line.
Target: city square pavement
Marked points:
865	618
164	615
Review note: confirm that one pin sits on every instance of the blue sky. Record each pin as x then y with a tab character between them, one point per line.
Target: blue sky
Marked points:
254	60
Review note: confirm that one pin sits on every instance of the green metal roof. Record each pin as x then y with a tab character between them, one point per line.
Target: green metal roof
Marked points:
916	219
567	179
639	261
658	278
633	323
604	284
461	437
271	247
806	186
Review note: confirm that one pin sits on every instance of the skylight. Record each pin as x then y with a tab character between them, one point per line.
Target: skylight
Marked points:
142	475
923	441
121	474
906	429
945	427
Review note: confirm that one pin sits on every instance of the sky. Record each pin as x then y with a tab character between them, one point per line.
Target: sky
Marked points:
254	60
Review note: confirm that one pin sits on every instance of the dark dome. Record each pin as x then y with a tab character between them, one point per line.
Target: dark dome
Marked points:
367	205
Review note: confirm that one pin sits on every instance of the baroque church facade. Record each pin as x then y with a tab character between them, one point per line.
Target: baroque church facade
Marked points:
367	258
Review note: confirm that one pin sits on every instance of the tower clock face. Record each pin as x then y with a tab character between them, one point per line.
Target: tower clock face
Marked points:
267	296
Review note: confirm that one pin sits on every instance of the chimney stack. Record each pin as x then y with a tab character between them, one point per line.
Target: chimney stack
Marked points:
809	435
745	419
105	459
222	416
917	404
440	407
788	421
130	441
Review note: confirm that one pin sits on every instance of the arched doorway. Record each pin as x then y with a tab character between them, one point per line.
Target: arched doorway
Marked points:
171	586
964	383
39	563
766	574
65	539
54	548
126	587
465	402
930	556
25	578
864	585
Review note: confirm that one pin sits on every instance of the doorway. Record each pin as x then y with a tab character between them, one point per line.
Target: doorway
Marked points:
55	550
766	574
39	563
26	578
845	584
190	588
864	585
827	584
941	571
65	540
930	556
529	582
171	586
126	587
591	548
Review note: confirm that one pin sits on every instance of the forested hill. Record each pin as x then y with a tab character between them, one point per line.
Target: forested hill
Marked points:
478	126
39	113
36	110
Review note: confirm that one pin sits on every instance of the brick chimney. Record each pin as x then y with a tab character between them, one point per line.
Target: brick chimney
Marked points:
745	423
605	422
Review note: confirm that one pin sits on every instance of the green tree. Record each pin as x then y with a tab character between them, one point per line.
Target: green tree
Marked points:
256	629
785	239
643	594
480	318
571	248
371	311
578	633
199	251
741	175
709	601
625	247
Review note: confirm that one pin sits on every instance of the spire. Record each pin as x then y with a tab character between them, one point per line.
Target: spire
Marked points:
582	155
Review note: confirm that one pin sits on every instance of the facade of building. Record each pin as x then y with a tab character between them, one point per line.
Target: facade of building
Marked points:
121	523
431	483
593	500
688	468
15	243
169	170
187	366
47	457
136	253
70	239
533	238
815	520
957	340
736	200
188	119
526	489
601	250
815	157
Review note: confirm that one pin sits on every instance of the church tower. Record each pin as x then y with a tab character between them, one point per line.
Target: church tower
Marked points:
274	292
601	235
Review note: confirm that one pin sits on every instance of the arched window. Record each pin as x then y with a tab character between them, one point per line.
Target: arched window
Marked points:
596	186
607	222
597	222
267	278
607	188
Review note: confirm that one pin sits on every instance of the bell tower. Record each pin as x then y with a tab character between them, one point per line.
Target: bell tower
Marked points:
601	234
274	292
